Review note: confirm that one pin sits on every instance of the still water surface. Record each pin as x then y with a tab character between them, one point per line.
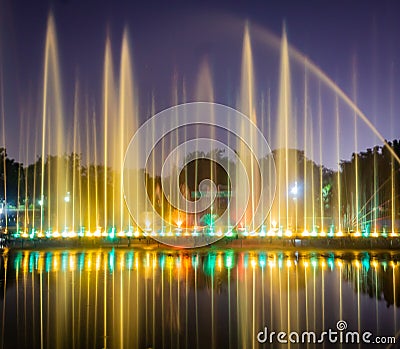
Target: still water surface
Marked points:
128	298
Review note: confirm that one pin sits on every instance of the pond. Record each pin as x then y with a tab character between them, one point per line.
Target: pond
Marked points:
216	298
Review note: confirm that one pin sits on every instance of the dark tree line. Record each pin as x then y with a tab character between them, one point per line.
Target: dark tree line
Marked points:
370	186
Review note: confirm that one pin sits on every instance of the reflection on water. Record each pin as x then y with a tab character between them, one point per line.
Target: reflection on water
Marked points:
127	298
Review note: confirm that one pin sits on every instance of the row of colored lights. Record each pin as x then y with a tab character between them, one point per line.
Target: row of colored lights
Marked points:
65	261
179	232
112	233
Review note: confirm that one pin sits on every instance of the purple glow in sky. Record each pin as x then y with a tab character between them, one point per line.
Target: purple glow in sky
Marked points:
355	43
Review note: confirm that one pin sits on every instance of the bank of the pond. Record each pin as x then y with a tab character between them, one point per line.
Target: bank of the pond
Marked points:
236	243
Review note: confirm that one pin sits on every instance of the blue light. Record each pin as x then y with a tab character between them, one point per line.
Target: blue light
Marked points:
331	262
262	260
365	261
49	257
129	260
280	260
64	261
112	233
229	259
111	260
162	261
17	260
81	261
195	261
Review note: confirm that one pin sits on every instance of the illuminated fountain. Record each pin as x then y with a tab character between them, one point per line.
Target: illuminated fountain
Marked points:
83	195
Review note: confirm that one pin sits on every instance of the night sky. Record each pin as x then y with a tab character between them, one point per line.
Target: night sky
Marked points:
172	37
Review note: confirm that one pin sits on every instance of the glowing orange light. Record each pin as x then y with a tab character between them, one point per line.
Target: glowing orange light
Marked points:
219	261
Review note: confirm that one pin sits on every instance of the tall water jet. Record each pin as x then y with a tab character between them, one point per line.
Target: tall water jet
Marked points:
247	107
127	115
76	165
393	164
285	133
357	200
204	92
338	178
52	126
321	174
96	178
204	87
20	176
305	138
313	215
108	111
26	172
